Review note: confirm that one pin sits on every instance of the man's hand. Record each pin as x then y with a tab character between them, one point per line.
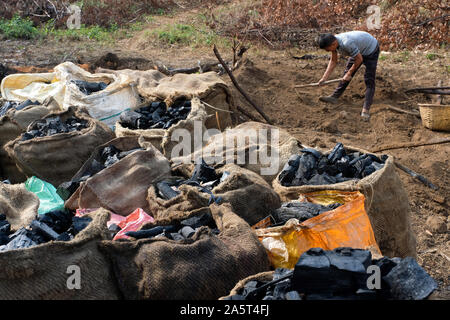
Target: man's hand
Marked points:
321	81
347	77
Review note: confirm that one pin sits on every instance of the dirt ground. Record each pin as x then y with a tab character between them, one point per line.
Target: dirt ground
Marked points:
269	75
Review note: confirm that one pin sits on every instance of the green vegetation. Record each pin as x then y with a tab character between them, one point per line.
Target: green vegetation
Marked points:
382	58
186	34
18	28
403	56
431	56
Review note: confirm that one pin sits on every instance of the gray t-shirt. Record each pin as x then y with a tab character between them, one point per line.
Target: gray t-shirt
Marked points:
354	42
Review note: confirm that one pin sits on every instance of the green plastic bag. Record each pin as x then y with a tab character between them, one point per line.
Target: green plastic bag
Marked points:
49	199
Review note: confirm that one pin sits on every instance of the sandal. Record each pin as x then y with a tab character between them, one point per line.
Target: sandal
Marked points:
365	115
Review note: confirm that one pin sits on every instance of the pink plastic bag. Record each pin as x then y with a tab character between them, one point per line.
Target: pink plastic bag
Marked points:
132	223
114	219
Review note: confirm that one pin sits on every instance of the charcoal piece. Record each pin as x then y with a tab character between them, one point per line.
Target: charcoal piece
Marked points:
320	179
109	151
408	281
337	153
59	221
165	191
65	236
6	181
342	270
176	236
281	288
322	165
158	125
4	239
368	170
204	173
90	87
152	232
312	151
197	221
289	170
344	167
269	297
95	168
27	103
235	297
2	216
19	240
111	160
7	106
129	119
385	264
377	165
292	295
187	232
300	210
44	230
5	227
306	166
78	224
66	189
249	286
213	231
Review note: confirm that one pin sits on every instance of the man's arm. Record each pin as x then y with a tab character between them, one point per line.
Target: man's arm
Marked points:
356	64
331	65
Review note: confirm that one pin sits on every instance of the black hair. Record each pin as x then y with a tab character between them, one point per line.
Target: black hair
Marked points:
325	39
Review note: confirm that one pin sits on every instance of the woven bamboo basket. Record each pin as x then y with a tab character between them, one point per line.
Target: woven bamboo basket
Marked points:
435	116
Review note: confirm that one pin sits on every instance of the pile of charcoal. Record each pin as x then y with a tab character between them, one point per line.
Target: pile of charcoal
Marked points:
178	231
109	155
301	211
343	274
204	178
16	105
315	168
156	115
89	88
54	125
52	226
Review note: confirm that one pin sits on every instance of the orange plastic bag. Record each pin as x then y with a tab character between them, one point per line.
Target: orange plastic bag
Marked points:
346	226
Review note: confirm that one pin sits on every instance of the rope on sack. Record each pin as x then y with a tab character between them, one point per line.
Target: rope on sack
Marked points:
215	108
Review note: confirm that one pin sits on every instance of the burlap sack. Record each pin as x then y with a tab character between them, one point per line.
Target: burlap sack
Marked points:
161	138
386	204
18	204
123	186
152	85
55	159
42	272
12	125
203	267
278	145
263	277
250	196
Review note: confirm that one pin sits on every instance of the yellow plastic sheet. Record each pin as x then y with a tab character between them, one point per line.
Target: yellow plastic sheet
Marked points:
346	226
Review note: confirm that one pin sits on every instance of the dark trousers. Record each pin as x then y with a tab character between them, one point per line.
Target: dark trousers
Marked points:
370	62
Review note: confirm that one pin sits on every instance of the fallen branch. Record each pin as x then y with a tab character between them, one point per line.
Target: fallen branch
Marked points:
233	79
316	84
403	111
429	90
200	68
417	176
411	145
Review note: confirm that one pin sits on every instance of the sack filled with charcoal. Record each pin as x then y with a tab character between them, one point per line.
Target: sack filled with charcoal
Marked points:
55	147
194	188
152	85
116	176
204	265
13	123
157	121
269	146
352	169
339	274
45	257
